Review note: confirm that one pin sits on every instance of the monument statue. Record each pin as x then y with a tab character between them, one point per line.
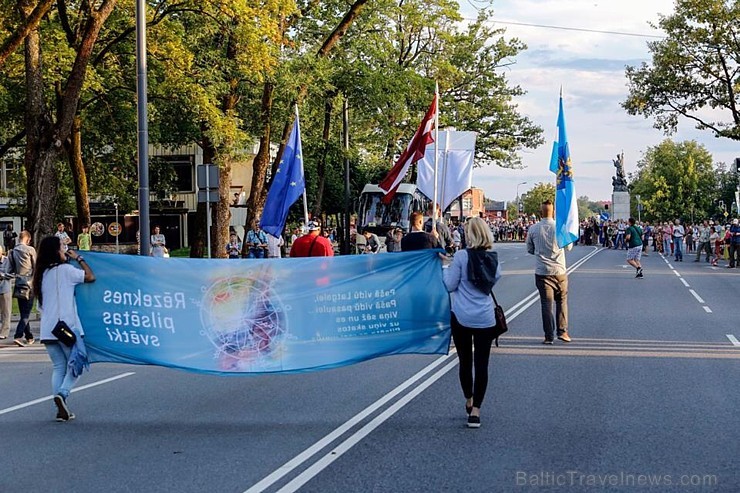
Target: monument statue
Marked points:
619	182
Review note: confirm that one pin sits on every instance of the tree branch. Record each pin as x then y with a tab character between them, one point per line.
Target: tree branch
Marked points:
31	23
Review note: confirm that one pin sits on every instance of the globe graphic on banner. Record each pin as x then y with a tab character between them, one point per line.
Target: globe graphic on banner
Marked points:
244	320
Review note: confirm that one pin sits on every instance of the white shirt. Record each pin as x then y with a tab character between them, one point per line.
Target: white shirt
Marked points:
273	246
58	289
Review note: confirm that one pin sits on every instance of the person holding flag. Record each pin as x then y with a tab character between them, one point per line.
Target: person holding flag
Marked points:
287	185
547	239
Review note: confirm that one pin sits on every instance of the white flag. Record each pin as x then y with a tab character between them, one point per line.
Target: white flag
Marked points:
455	176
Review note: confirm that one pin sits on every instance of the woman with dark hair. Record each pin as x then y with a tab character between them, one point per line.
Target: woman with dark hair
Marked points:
54	281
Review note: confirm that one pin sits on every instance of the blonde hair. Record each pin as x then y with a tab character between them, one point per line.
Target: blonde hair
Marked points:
477	234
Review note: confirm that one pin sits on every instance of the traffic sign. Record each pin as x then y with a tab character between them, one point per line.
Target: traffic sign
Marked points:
604	216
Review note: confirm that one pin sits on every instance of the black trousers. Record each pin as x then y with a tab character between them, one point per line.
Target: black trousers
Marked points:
466	339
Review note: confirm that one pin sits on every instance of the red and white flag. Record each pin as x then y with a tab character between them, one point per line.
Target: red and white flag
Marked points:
415	151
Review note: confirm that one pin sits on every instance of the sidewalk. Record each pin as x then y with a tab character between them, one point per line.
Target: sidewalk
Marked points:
35	320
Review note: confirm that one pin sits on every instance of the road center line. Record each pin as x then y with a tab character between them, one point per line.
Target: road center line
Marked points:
677	274
355	438
707	309
50	397
698	298
733	340
302	457
685	283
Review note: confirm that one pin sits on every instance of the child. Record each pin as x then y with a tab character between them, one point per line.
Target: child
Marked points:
84	240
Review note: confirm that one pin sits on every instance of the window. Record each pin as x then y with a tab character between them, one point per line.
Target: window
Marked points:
184	167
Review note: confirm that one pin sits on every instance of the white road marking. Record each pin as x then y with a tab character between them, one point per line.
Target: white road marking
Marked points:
733	340
355	438
50	397
322	463
707	309
698	298
684	282
677	274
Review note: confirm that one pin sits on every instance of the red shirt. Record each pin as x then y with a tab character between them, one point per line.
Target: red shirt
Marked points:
321	248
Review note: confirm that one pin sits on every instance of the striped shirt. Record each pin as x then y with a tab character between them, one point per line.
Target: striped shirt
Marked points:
542	243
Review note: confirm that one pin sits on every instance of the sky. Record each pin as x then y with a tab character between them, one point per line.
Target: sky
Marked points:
591	69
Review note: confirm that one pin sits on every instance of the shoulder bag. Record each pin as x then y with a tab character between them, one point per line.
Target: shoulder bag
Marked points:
501	326
23	289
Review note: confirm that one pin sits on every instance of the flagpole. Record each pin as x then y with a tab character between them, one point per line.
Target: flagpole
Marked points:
303	171
444	168
436	156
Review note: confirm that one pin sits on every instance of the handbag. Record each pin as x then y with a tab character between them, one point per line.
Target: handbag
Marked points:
22	288
64	334
501	326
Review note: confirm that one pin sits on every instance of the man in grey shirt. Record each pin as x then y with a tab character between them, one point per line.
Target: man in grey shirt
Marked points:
550	274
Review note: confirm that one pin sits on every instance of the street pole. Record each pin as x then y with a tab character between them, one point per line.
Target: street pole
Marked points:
345	132
115	204
639	207
143	127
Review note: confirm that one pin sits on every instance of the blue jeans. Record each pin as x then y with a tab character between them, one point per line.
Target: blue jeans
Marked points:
256	253
62	380
553	294
24	327
677	248
666	246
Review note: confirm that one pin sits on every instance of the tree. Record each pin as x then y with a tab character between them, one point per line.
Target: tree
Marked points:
533	199
47	131
675	180
694	72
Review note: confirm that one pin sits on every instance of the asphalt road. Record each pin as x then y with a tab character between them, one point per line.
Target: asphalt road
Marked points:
644	398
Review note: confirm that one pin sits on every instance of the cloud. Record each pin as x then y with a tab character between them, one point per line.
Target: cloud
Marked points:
590	68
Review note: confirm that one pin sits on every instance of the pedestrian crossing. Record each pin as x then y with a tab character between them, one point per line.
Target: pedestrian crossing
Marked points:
632	348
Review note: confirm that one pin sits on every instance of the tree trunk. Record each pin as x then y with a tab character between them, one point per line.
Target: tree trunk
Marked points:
258	193
44	138
38	159
79	175
222	211
255	203
321	165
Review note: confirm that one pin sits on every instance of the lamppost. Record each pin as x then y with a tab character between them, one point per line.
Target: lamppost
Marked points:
639	208
518	205
115	204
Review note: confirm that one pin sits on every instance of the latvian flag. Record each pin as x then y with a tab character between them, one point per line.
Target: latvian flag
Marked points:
413	153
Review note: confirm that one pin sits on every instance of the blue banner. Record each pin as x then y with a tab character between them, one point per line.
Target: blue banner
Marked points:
263	316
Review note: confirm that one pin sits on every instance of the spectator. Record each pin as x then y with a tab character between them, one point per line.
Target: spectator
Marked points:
312	244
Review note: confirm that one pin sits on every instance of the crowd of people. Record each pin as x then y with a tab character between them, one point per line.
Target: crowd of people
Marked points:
715	242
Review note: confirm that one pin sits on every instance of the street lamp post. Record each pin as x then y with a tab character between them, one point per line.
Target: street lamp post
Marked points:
518	205
639	208
115	204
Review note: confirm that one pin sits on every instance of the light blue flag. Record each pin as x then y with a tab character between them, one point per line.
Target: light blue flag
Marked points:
287	186
566	205
263	316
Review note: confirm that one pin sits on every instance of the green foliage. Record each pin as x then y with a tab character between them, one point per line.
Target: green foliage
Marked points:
533	199
695	70
675	180
203	52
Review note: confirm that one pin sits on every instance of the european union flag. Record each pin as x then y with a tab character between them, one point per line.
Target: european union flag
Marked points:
287	186
566	205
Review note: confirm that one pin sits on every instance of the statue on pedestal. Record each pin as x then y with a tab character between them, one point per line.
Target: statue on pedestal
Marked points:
619	182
